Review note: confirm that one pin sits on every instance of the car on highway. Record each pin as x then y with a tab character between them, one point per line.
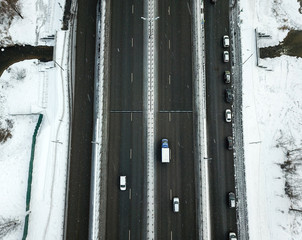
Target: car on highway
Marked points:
228	115
226	56
175	204
227	76
232	200
228	95
226	41
229	143
232	236
123	183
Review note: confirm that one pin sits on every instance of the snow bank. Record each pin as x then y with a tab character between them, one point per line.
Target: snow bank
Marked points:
272	117
28	88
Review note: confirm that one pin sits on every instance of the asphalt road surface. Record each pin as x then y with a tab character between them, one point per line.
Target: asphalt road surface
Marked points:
126	148
82	120
174	121
221	164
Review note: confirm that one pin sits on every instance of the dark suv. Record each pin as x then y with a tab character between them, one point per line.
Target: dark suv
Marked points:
228	95
230	142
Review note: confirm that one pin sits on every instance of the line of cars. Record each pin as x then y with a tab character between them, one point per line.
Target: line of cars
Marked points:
228	118
228	91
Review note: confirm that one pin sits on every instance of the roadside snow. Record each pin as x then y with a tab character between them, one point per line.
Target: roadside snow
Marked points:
272	118
41	19
29	88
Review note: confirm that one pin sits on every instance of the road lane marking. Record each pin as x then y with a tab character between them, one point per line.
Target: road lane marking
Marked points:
131	116
129	234
169	79
169	117
130	193
131	77
169	10
189	8
130	152
169	44
132	42
171	235
132	8
170	194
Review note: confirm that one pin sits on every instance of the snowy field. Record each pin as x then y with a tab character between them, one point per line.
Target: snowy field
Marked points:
30	88
272	118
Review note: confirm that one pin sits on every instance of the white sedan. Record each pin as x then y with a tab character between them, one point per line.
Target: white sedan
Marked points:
228	115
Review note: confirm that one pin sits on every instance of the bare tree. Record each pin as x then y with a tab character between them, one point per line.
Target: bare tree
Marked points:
7	226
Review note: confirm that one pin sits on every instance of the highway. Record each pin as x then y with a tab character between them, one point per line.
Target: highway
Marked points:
174	116
126	147
221	165
77	212
174	121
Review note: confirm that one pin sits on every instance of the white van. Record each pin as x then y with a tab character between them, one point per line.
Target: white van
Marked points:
123	183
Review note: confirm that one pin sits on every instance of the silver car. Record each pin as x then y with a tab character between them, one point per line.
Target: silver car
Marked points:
227	76
228	115
232	200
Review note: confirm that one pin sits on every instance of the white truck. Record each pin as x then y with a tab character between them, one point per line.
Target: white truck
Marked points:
165	151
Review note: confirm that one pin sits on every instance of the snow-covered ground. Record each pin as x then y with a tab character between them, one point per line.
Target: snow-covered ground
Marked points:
272	118
29	88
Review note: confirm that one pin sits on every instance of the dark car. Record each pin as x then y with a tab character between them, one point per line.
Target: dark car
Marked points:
228	95
230	142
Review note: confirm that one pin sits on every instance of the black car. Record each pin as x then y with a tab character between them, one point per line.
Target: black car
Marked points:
230	142
228	95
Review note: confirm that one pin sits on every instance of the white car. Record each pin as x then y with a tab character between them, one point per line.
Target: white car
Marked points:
228	115
123	183
232	236
226	56
175	204
226	41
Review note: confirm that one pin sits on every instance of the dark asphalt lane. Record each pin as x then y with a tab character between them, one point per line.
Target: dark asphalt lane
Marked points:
175	57
175	122
126	156
176	179
221	165
77	214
